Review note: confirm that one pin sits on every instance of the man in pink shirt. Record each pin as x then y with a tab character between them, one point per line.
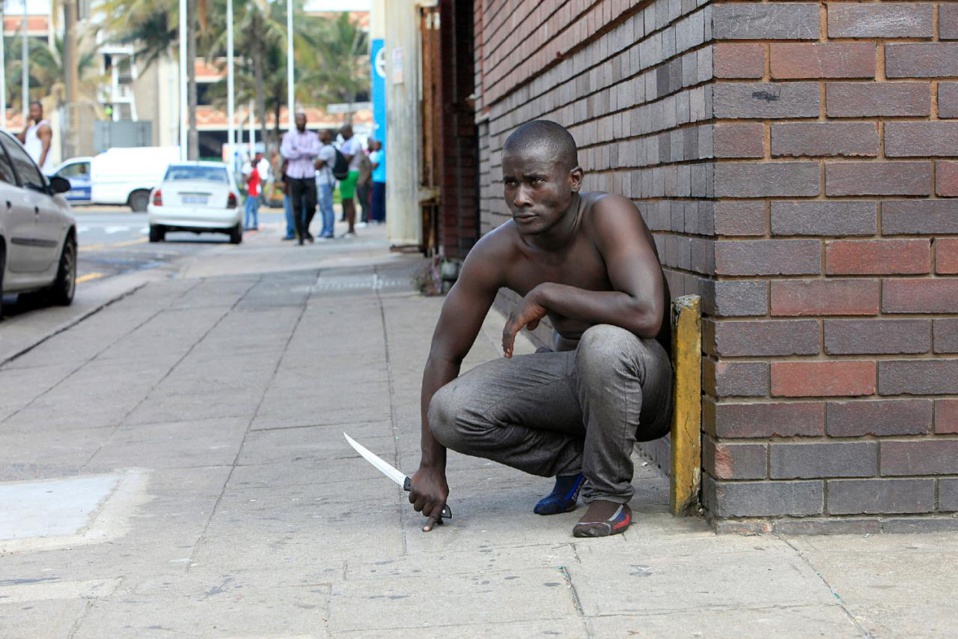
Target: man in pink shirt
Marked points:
300	147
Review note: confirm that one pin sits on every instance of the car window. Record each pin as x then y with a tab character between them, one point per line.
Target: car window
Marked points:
203	173
74	170
27	171
6	170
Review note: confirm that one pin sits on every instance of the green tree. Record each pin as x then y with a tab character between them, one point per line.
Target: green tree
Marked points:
336	67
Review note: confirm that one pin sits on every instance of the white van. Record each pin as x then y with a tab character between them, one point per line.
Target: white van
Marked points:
118	175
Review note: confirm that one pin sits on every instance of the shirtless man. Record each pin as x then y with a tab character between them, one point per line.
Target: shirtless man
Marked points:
588	262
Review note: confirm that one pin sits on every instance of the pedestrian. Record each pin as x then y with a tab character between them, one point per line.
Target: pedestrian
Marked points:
253	182
378	160
364	184
589	263
37	139
352	150
300	147
325	183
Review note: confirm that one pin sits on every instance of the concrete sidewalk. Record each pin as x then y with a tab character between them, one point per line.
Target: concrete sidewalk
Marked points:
174	466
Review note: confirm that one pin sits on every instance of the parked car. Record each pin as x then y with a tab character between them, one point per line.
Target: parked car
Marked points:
122	175
200	197
38	245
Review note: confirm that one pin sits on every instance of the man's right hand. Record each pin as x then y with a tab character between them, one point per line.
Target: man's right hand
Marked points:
428	492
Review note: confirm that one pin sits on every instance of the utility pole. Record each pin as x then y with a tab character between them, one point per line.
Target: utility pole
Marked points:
25	71
3	74
72	80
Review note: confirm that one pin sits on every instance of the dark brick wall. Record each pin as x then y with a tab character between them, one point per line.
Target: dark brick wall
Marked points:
797	164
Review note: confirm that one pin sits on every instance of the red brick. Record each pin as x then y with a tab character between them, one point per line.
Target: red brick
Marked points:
739	140
764	419
755	338
885	20
877	336
877	178
936	456
825	297
868	99
823	379
920	296
881	418
946	335
823	139
823	60
823	459
878	257
737	60
946	178
933	60
919	217
918	377
946	256
948	97
921	139
842	217
946	416
734	461
948	21
768	257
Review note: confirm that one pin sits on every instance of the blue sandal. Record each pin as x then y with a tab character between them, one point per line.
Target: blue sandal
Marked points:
563	497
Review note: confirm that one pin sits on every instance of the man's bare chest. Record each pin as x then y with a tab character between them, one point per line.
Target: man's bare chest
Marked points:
580	266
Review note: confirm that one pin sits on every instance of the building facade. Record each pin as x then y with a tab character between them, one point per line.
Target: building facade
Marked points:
798	165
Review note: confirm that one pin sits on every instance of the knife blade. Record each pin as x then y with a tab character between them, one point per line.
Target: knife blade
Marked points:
388	469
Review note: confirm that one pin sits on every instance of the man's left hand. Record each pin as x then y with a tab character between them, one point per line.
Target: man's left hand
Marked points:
526	315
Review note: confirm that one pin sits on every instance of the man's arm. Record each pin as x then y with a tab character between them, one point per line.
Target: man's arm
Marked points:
459	323
637	302
45	133
287	150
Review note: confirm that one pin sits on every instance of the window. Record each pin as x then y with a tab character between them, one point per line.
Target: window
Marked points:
27	171
176	173
6	170
75	170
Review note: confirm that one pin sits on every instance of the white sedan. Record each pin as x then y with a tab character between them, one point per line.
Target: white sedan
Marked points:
200	197
38	238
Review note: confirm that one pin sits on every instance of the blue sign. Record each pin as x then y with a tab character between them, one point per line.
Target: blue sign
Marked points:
379	90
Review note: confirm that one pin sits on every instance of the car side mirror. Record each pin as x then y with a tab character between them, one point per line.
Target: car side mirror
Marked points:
59	184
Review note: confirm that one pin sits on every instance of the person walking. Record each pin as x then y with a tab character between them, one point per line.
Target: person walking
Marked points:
254	185
378	160
364	184
352	150
37	139
301	147
325	183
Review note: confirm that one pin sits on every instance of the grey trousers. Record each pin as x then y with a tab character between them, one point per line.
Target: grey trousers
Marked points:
560	413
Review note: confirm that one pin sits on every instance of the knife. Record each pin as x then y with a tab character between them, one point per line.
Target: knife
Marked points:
388	470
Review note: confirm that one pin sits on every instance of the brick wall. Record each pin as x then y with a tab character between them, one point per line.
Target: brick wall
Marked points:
796	161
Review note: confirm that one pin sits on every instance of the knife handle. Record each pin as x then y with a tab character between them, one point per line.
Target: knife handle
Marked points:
446	511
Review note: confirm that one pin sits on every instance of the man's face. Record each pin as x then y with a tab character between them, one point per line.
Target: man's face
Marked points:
325	136
300	122
538	188
346	132
36	113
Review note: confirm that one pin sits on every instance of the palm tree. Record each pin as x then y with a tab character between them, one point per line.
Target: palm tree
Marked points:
338	69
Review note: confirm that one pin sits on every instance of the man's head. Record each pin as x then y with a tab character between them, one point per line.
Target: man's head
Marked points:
346	132
300	121
541	175
36	111
326	136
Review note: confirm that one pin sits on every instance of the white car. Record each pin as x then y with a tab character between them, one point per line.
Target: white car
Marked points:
200	197
38	238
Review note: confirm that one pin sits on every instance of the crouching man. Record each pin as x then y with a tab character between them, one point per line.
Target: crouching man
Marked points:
588	262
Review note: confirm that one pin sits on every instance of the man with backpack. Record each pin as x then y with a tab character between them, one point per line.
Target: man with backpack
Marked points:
325	165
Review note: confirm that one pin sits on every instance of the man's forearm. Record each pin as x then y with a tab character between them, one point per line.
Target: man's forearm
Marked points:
600	307
436	375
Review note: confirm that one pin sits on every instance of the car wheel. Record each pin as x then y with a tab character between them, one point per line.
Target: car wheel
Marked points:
157	233
61	293
236	234
139	200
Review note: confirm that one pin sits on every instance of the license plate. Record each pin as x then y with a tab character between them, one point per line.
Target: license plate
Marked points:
194	199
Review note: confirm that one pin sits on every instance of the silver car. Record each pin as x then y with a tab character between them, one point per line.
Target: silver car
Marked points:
200	197
38	239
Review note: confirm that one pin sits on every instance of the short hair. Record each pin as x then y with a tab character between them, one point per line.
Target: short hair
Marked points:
38	103
544	134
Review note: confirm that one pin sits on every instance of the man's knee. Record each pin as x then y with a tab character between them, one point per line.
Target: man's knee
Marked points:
603	344
442	414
